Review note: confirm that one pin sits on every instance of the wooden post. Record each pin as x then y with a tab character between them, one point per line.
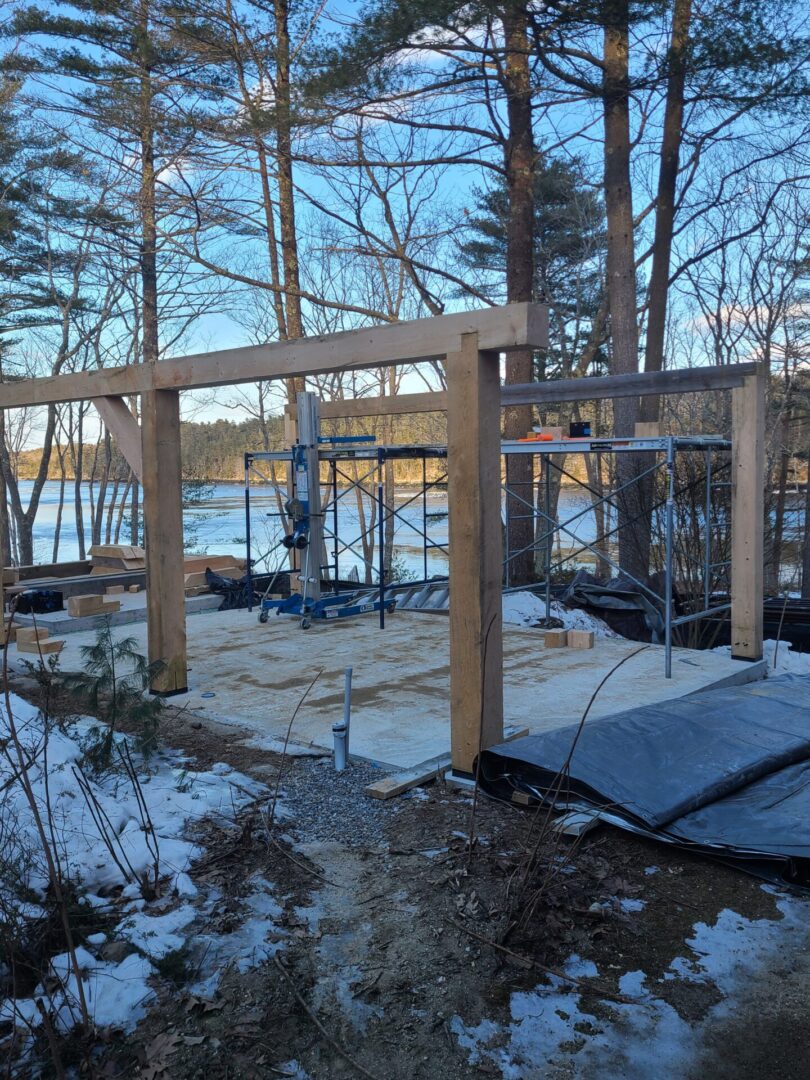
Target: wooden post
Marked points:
747	517
163	528
476	551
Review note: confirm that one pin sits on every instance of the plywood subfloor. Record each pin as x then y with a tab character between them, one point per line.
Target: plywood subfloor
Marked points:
254	675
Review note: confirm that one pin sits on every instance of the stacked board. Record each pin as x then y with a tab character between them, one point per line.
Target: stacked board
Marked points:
110	558
194	567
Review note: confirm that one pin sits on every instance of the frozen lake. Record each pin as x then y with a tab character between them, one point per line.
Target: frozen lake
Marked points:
218	526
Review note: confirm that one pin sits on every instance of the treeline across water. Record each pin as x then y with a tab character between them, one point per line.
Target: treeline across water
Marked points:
216	450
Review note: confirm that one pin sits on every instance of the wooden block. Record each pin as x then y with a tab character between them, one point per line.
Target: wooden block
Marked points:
400	782
133	588
193	563
522	798
580	639
198	579
9	632
109	606
197	590
85	604
28	634
117	551
116	564
648	429
11	575
114	590
555	639
53	645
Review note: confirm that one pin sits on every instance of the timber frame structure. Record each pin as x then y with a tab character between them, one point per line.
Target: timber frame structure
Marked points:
470	345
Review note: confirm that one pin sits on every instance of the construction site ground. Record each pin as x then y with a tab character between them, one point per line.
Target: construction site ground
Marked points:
245	673
633	959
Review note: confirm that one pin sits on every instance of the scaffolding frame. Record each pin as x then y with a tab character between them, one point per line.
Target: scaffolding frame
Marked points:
665	448
371	484
386	514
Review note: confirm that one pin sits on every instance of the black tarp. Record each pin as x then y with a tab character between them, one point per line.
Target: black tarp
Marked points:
727	770
620	603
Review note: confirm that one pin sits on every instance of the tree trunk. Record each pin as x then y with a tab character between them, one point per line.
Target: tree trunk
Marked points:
286	193
149	286
5	536
78	475
60	507
665	200
774	557
519	162
634	533
806	537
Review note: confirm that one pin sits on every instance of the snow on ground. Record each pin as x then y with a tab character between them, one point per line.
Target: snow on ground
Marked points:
788	662
553	1030
106	845
527	609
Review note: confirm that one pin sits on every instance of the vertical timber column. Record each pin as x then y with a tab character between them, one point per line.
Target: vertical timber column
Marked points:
163	530
476	551
747	517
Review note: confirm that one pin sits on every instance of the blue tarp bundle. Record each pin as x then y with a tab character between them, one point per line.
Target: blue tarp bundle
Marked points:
724	770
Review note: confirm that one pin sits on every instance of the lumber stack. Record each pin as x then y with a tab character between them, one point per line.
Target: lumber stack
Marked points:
194	567
109	558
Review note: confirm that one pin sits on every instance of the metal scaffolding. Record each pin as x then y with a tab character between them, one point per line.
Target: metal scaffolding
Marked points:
655	457
369	484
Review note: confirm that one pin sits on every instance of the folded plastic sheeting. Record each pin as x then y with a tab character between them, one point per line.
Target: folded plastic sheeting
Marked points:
727	771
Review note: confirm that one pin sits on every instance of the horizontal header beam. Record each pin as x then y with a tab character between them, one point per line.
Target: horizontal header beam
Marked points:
600	387
396	405
640	384
499	329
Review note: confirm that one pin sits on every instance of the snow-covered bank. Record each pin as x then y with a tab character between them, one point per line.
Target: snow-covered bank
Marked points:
124	855
527	609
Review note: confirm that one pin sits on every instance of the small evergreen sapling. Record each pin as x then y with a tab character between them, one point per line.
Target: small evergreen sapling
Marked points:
114	687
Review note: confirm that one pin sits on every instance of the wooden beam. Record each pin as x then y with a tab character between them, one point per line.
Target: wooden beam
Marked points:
747	517
124	428
474	488
397	405
514	326
163	527
641	384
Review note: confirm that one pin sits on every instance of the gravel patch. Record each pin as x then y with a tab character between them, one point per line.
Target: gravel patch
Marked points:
326	806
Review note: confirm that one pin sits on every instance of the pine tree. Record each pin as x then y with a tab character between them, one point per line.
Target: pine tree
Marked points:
569	247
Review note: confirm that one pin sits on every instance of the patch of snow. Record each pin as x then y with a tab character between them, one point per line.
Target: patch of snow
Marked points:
551	1027
254	941
526	609
788	662
157	935
83	831
117	995
580	969
628	905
